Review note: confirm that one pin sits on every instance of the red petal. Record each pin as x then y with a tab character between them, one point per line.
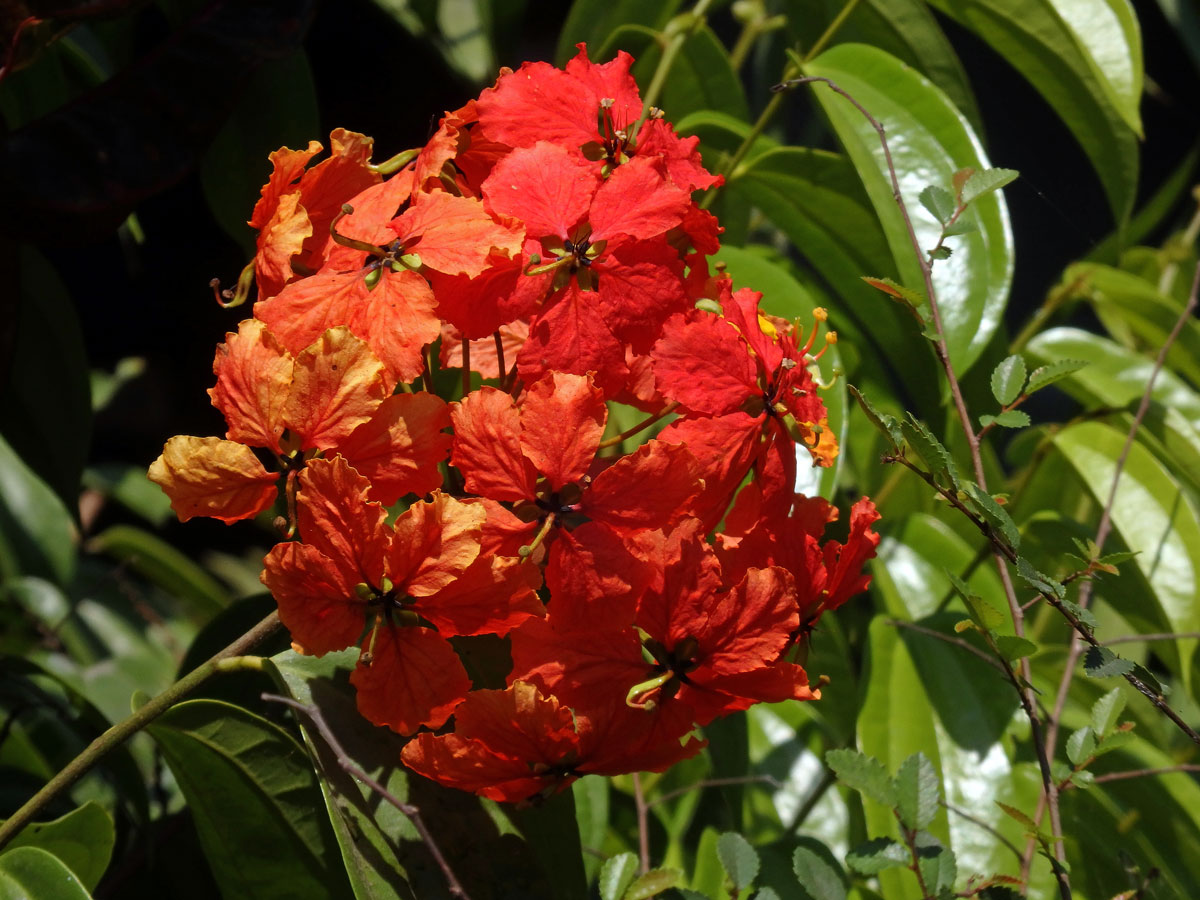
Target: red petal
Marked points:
456	235
640	287
702	362
571	337
608	81
650	488
487	448
287	166
562	421
415	678
335	517
537	103
400	448
493	596
636	201
316	603
545	186
281	238
435	542
680	156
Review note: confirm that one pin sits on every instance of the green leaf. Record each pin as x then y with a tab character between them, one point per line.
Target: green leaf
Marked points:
653	883
1010	418
1039	581
592	21
739	859
962	225
82	839
1150	514
1115	741
767	894
1020	816
1007	379
1106	711
982	613
252	794
863	773
1081	745
45	394
616	875
876	855
1100	662
917	790
1014	647
930	449
30	873
939	202
163	565
1085	59
980	184
37	533
996	515
973	290
885	423
130	487
939	869
817	876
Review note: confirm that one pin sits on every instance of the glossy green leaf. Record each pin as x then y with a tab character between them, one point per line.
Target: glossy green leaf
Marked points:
738	858
819	879
82	839
592	21
1106	711
37	534
1007	379
253	795
616	875
45	397
1046	375
1085	58
972	287
1100	662
904	28
708	877
30	873
1150	514
916	791
162	564
592	811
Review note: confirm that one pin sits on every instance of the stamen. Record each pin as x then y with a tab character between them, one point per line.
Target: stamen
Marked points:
347	210
228	299
639	695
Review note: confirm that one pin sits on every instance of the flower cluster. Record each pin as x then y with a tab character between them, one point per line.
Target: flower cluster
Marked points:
546	243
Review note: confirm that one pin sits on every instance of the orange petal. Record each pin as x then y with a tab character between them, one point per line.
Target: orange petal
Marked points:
254	375
435	542
415	678
562	419
399	449
316	603
211	477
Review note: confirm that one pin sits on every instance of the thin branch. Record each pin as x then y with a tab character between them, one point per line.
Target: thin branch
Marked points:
640	426
643	825
949	639
962	814
412	813
1145	773
1156	636
119	733
1024	687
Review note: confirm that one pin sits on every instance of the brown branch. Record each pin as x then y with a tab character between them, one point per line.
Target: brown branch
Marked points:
716	782
1025	689
1143	773
984	825
643	825
412	813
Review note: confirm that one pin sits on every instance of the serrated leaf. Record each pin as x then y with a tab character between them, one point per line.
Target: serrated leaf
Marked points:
876	855
1010	418
1114	741
1100	662
616	875
1021	817
653	883
1007	379
961	226
885	423
1038	581
1052	372
917	791
738	858
1083	615
939	202
767	894
864	774
939	870
82	840
942	252
985	182
1106	711
1014	647
1081	745
996	515
1083	778
929	448
817	876
986	616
